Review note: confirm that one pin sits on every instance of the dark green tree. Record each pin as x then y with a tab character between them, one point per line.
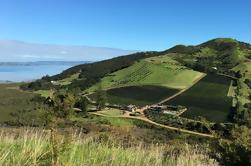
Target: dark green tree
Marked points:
236	150
83	104
63	104
101	98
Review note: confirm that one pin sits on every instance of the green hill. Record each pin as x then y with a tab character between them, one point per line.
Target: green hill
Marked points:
157	71
222	53
127	78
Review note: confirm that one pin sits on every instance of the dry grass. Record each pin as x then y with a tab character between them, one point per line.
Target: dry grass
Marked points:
40	147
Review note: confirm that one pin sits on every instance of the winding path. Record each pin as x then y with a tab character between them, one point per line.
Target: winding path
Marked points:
156	124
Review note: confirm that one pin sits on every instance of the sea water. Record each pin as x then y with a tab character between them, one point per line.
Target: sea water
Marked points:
29	72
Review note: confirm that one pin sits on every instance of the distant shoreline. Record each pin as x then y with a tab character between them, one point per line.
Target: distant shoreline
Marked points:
6	82
15	82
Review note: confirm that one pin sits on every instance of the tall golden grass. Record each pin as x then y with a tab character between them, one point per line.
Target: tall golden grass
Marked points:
41	147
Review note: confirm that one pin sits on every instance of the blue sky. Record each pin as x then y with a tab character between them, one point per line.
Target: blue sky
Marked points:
127	24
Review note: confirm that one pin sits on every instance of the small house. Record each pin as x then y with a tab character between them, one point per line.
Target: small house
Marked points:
157	108
54	82
131	108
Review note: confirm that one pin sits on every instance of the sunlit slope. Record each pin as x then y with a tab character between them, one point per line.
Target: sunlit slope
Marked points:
244	68
157	71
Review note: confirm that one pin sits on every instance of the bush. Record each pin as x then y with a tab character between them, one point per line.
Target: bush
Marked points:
237	150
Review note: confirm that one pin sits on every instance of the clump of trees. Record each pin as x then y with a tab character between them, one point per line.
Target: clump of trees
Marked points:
101	98
42	84
176	121
236	150
63	104
200	125
224	54
243	97
82	103
60	107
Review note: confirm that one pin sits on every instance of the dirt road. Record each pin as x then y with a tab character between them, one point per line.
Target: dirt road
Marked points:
142	118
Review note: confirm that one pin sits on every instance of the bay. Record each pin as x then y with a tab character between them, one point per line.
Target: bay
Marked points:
28	71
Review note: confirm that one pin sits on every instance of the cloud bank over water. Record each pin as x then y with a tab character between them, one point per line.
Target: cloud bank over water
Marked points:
18	51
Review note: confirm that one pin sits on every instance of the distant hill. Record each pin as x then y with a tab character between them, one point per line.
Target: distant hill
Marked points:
13	51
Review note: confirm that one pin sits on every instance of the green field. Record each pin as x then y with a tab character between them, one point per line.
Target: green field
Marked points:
44	93
138	95
157	71
13	100
208	98
111	112
67	80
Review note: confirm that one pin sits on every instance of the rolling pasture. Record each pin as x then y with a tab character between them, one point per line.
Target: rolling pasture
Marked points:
208	98
156	71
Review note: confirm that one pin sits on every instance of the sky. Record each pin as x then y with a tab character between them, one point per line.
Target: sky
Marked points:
126	24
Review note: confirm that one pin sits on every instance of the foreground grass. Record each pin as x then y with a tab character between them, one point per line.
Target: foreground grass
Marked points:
42	148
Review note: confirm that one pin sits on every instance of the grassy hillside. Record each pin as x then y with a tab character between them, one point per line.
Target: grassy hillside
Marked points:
67	80
157	71
88	74
14	101
244	68
208	98
147	81
39	148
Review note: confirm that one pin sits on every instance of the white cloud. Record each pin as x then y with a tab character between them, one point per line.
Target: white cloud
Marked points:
22	51
63	52
29	56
